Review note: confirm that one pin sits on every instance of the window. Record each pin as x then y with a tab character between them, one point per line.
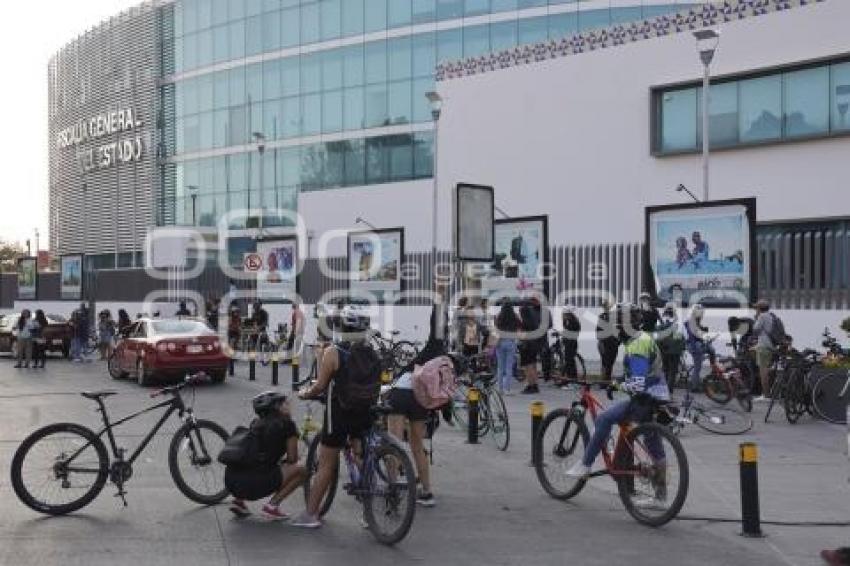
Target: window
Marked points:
310	31
352	17
840	93
332	111
290	76
806	102
353	66
221	44
399	101
423	154
678	125
254	35
476	7
271	79
423	11
376	62
722	114
424	54
291	117
502	5
399	58
376	105
476	40
533	30
237	85
311	107
562	25
355	163
593	19
332	74
449	45
399	13
271	31
221	90
399	156
354	109
290	27
449	9
331	13
421	106
236	31
760	112
503	36
375	15
311	72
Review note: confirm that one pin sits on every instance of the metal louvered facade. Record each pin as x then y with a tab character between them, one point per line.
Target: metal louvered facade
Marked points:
103	177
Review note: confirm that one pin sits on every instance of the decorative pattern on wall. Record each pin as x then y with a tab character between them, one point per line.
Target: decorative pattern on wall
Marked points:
695	18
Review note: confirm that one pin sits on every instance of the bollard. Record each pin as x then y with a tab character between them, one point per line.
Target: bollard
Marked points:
386	377
472	405
274	369
296	365
537	411
231	366
750	519
252	366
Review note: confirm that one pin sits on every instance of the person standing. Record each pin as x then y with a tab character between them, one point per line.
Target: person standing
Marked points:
698	346
80	329
607	341
470	335
507	326
572	331
105	334
24	339
529	348
671	343
39	344
649	313
769	333
124	322
297	323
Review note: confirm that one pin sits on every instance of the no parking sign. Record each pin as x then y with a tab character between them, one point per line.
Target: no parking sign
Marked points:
252	262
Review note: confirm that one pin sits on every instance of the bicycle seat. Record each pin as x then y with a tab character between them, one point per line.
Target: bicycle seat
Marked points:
95	395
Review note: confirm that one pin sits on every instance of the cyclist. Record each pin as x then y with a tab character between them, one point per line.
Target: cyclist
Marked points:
260	323
296	328
276	437
671	342
698	346
349	372
644	378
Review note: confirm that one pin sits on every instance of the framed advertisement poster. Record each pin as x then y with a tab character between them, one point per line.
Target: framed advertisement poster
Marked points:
71	277
277	272
375	260
27	279
702	253
520	258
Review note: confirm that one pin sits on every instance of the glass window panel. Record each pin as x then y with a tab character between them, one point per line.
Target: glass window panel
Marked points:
449	45
400	59
219	12
237	86
354	111
220	127
530	3
840	91
253	7
399	13
290	76
271	5
760	112
334	164
376	105
291	116
290	27
377	168
271	79
289	162
310	23
236	30
272	121
311	72
254	35
423	11
237	200
532	30
184	17
190	52
806	98
188	94
376	15
352	17
399	101
332	70
423	156
503	5
238	125
678	120
593	19
238	165
289	3
332	111
205	130
400	157
271	31
256	118
221	43
562	25
722	113
205	47
424	54
476	40
625	14
204	14
220	175
221	88
331	19
355	163
311	107
180	136
312	166
421	106
254	82
354	66
205	93
376	62
449	9
476	7
237	9
503	36
179	63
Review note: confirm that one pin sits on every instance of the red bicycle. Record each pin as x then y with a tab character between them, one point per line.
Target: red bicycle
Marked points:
645	459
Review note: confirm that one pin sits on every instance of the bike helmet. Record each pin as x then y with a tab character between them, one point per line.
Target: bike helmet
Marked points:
266	402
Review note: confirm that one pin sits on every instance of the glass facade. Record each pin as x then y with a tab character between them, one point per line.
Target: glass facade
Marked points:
807	102
300	71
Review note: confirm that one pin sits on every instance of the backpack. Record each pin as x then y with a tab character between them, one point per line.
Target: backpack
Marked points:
777	331
670	341
242	448
434	383
358	381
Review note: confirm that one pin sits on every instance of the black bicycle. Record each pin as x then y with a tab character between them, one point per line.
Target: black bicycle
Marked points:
559	358
62	467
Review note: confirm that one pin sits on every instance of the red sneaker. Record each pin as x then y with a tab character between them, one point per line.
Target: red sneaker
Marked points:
274	513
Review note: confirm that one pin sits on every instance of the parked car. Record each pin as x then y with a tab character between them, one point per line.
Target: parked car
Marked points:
155	349
57	334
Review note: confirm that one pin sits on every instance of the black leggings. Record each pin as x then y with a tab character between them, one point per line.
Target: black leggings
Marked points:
39	352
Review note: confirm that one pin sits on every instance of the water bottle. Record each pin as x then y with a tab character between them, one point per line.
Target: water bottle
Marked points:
353	471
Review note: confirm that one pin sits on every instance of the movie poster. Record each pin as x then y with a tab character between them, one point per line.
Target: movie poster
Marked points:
520	255
702	253
27	274
277	274
374	260
71	277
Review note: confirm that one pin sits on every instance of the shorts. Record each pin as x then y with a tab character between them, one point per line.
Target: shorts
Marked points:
403	402
253	483
339	425
764	357
528	353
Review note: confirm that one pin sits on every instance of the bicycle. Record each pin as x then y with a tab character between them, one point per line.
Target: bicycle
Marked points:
269	347
727	381
718	420
80	455
394	355
381	477
797	394
830	397
558	353
640	476
492	411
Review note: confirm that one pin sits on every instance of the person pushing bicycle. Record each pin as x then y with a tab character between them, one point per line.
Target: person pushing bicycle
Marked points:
643	379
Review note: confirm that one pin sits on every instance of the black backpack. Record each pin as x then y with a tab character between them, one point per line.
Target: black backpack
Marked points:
777	333
243	448
357	384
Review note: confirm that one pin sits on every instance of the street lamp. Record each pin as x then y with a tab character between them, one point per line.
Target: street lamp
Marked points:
707	42
260	140
682	187
193	192
436	103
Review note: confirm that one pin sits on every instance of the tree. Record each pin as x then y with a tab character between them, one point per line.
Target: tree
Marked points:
9	254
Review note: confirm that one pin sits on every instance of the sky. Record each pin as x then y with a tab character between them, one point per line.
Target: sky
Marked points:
30	33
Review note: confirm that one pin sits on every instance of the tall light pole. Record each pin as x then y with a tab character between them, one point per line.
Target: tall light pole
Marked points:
260	139
436	102
36	242
193	193
707	41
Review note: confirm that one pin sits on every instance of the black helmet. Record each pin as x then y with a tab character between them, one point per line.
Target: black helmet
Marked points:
267	402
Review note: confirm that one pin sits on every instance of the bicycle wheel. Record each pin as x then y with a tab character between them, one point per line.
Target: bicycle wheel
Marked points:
651	471
499	423
742	391
717	388
721	420
312	468
795	398
59	469
193	461
460	406
560	443
390	505
581	367
830	396
777	392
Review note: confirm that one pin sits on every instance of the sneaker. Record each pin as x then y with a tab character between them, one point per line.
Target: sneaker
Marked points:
426	499
651	502
239	509
579	470
306	521
273	513
761	399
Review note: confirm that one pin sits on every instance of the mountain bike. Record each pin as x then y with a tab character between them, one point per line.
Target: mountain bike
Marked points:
62	467
647	463
797	391
394	355
727	380
492	411
558	353
718	420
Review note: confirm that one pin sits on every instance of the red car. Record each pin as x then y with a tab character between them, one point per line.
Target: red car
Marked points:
161	349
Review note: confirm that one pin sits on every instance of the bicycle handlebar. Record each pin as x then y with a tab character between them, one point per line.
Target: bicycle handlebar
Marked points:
191	380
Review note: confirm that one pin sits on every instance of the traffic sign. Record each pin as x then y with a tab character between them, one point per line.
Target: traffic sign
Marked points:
252	262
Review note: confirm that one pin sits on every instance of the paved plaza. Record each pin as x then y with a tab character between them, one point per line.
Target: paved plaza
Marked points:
491	510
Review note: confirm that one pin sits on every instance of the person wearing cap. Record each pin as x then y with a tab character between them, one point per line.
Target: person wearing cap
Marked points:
699	346
275	472
765	348
649	313
607	340
670	337
572	330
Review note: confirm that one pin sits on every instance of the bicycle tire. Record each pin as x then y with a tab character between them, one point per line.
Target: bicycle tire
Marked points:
777	393
460	407
721	420
201	454
499	420
717	388
581	367
625	482
312	467
19	459
401	462
794	402
576	447
830	395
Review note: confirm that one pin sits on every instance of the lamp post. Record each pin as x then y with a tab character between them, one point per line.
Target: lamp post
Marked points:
707	41
436	103
682	187
260	139
36	242
193	193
